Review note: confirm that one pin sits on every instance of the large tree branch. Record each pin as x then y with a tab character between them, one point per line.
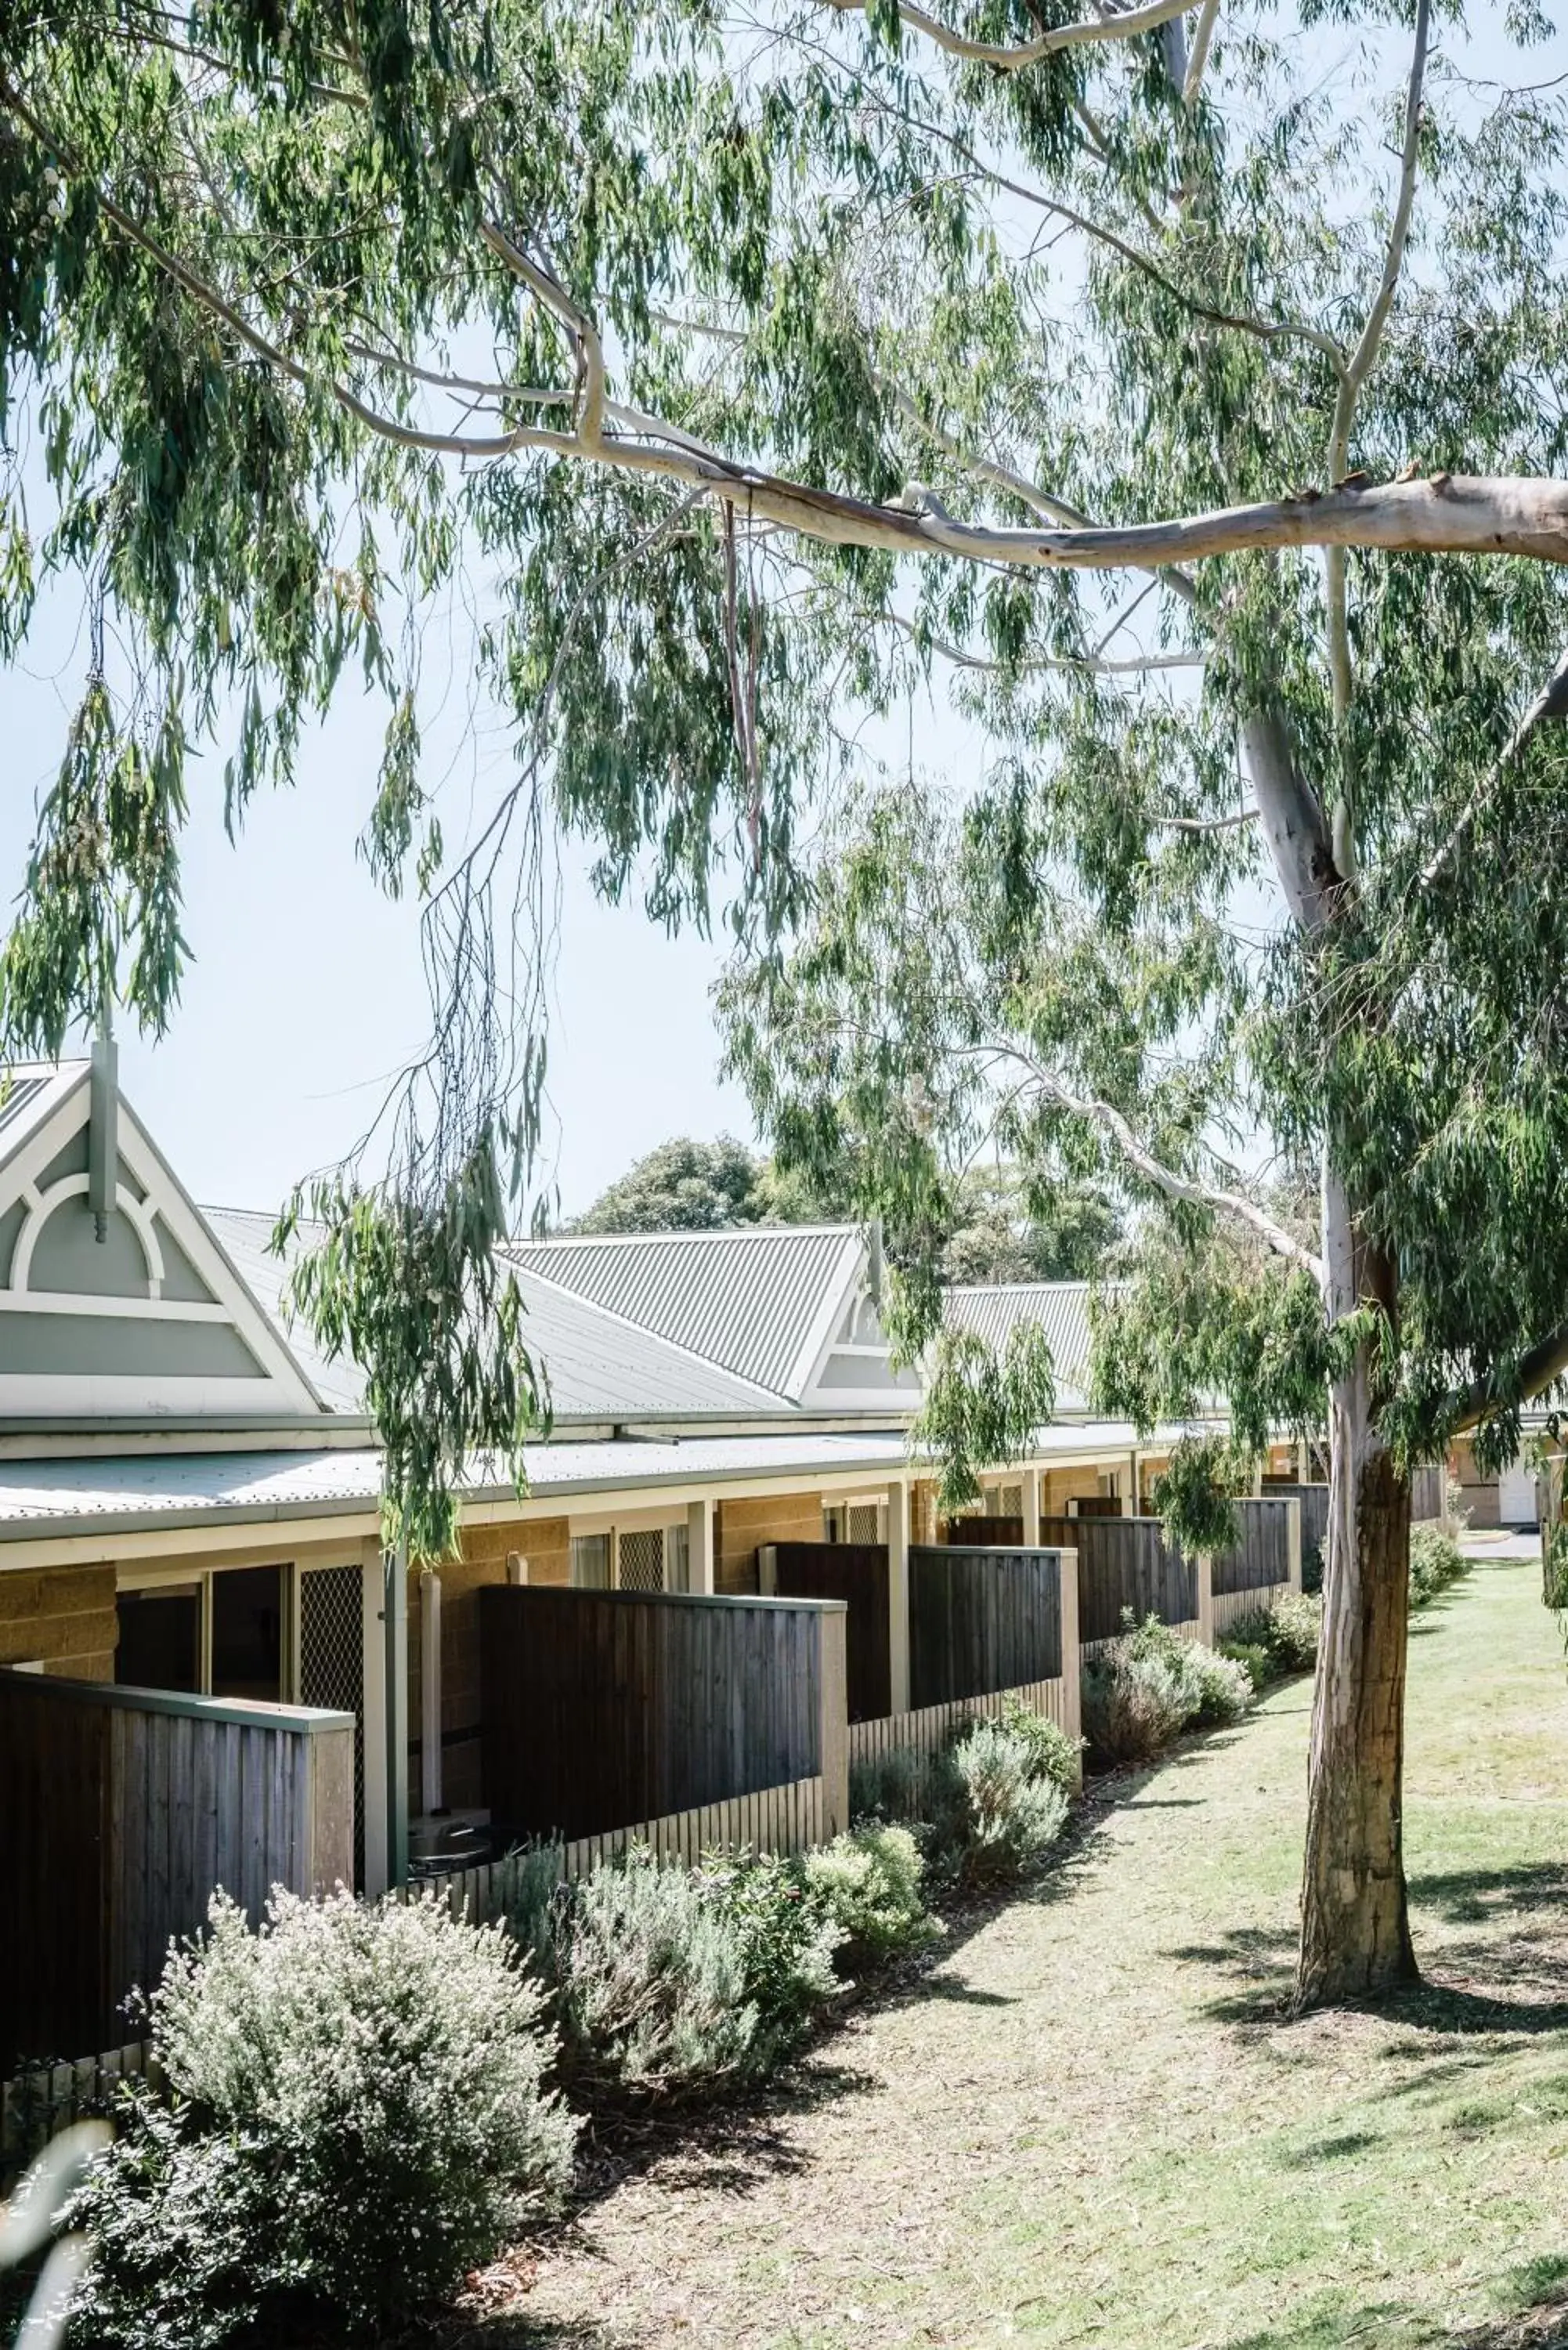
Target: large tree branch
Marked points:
1198	55
1540	1368
1015	57
1356	369
1188	1188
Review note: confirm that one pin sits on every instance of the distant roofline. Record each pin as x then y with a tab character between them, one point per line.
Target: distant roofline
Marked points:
685	1233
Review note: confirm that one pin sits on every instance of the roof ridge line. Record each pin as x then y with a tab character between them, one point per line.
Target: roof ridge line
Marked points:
645	1330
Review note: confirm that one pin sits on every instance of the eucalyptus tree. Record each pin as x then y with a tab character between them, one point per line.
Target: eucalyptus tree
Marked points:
746	369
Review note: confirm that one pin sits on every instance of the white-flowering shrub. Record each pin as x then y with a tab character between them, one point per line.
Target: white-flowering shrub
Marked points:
355	2115
869	1884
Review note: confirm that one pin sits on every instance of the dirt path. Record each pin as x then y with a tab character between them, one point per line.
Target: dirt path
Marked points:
1090	2123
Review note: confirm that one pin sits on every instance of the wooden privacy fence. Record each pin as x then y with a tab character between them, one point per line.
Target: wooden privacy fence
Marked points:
981	1621
606	1708
1264	1562
1314	1500
1125	1563
856	1573
983	1534
122	1811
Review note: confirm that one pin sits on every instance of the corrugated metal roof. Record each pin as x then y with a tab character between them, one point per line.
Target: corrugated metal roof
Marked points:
65	1497
36	1088
758	1300
600	1367
1060	1307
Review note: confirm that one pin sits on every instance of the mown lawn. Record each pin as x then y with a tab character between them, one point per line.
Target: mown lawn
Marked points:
1091	2123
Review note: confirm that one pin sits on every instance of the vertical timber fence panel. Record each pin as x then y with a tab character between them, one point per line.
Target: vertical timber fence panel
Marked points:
602	1708
983	1534
1313	1499
124	1810
856	1573
1264	1564
981	1621
1126	1565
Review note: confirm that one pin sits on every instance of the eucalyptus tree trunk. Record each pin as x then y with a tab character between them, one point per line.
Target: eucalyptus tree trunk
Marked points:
1356	1929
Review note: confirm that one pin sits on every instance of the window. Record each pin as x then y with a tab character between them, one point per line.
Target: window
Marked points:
160	1643
590	1561
641	1564
247	1634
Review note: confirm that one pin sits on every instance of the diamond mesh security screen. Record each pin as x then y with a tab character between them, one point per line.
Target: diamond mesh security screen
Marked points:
1010	1501
642	1561
332	1665
865	1522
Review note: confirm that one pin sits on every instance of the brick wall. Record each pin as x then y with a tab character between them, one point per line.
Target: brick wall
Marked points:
66	1615
741	1525
1059	1486
922	1511
544	1543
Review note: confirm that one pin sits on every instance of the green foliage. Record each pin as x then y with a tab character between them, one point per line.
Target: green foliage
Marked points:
1195	1492
979	1407
999	1812
869	1884
886	1787
682	1186
1436	1561
1009	1228
421	1294
1287	1633
1052	1754
353	2115
1150	1684
1254	1659
673	1984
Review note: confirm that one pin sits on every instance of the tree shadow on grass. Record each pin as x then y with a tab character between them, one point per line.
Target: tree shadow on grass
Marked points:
1474	1896
1532	2315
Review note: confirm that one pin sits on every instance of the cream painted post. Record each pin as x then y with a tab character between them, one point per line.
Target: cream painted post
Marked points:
373	1719
1304	1460
833	1731
430	1692
395	1661
898	1595
1031	1509
1071	1660
1293	1540
1132	1485
700	1548
1206	1598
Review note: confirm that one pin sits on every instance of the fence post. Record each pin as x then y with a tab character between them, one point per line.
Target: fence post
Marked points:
700	1547
1294	1538
395	1626
833	1732
430	1692
1072	1657
1206	1598
377	1807
898	1595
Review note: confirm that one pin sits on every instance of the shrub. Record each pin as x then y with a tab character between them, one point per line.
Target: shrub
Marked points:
1287	1633
869	1884
671	1983
355	2117
1253	1658
1052	1754
1000	1816
1436	1561
1150	1684
887	1786
1133	1705
1212	1689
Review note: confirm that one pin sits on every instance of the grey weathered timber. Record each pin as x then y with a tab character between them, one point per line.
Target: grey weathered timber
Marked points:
1262	1558
604	1708
124	1810
982	1620
1126	1565
1314	1500
856	1573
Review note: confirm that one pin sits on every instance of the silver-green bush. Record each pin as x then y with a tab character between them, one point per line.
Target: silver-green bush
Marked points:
355	2115
1150	1684
671	1983
1287	1633
1436	1561
1008	1816
868	1883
